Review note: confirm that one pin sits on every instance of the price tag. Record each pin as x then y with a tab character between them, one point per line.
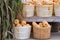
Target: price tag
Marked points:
24	1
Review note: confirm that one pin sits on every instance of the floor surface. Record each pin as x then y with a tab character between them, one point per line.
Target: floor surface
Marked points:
54	36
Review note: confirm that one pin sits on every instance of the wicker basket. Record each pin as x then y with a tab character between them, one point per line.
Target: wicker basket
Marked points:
41	33
57	10
22	32
44	10
28	10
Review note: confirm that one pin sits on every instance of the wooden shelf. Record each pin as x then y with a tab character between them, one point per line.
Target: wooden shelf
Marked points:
39	19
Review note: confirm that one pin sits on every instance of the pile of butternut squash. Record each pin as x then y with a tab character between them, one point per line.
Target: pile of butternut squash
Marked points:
23	23
41	24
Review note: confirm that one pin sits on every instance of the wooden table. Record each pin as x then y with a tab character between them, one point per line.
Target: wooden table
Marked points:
55	21
39	19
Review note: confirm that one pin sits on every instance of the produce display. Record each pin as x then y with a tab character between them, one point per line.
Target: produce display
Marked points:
38	8
22	30
41	8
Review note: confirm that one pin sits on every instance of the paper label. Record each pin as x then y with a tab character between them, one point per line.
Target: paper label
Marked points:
24	1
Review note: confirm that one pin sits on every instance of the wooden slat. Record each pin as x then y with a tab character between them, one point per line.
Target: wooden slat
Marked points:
39	19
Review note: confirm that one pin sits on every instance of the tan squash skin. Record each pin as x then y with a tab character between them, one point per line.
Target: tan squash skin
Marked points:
17	23
46	2
55	1
41	24
23	23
